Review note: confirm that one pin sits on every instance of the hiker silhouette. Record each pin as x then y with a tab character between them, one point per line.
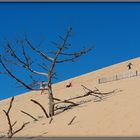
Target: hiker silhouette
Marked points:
129	66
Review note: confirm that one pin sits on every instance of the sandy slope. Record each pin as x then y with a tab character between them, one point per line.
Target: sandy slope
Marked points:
116	115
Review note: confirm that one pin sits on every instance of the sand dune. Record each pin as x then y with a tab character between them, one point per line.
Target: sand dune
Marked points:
116	115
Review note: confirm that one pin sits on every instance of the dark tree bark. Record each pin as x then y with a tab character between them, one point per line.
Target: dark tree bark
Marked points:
72	120
45	112
29	115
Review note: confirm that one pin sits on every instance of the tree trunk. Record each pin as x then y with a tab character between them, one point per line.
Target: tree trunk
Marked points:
51	101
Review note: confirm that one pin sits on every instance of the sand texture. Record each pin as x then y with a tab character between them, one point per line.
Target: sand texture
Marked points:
117	114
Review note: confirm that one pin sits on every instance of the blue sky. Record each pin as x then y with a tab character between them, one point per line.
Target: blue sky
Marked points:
113	28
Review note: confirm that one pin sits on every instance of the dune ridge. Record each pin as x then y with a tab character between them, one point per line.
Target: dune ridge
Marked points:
116	115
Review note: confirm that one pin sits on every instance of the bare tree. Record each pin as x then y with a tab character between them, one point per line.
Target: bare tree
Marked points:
20	57
11	132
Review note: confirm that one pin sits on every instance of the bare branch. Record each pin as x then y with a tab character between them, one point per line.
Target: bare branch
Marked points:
51	120
13	76
24	124
61	38
14	123
56	99
34	101
29	115
64	108
27	58
11	132
39	52
58	108
83	51
64	101
10	105
13	54
72	120
75	55
91	92
28	86
97	91
37	72
57	54
26	64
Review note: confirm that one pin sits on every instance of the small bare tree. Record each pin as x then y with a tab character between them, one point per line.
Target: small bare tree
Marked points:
12	132
40	65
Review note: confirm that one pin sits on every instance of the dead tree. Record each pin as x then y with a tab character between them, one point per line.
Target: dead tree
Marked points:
97	91
12	132
88	92
22	57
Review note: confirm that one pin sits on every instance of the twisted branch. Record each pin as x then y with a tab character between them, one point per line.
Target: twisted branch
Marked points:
11	132
36	102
